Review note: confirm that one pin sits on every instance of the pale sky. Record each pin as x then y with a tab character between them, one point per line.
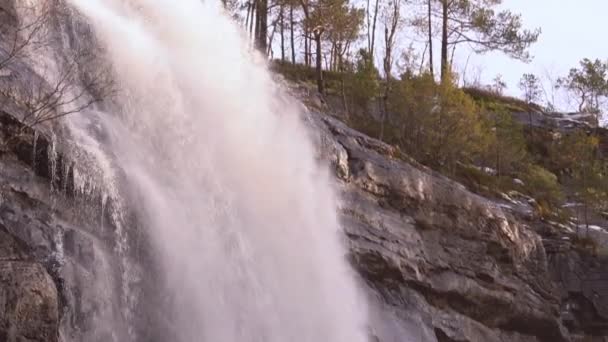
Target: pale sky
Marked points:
571	31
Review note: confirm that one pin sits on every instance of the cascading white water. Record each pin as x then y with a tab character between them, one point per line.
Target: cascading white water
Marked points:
242	216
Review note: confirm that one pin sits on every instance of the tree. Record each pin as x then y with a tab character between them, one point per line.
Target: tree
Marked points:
282	27
391	18
544	185
439	125
498	85
261	32
430	36
574	156
343	29
41	100
371	27
24	35
477	23
507	145
589	83
324	17
363	83
413	101
291	34
531	88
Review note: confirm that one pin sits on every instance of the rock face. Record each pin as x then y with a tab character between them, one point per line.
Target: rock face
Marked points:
29	307
439	263
449	264
584	289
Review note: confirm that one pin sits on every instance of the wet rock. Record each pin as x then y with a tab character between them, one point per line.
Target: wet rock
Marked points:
29	308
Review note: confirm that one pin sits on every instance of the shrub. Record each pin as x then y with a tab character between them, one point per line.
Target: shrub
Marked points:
437	124
544	187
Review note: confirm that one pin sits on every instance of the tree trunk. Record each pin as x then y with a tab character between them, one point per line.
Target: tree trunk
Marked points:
423	58
369	32
253	17
497	155
585	213
382	119
306	48
320	86
444	41
343	86
431	68
371	51
262	26
307	38
390	29
282	23
333	60
247	17
256	29
293	44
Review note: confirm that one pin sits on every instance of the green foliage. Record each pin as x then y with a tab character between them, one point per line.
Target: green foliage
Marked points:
530	86
594	190
571	154
363	85
589	83
477	23
342	30
482	182
506	149
437	124
544	187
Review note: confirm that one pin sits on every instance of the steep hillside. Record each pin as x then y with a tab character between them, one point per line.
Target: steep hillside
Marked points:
439	262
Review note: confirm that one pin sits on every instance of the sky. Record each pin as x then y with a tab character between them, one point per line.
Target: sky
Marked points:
571	30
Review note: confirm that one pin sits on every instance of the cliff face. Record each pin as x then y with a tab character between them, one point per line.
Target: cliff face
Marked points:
457	264
438	262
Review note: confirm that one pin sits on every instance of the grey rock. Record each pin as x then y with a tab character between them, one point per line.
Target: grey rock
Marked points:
458	264
29	307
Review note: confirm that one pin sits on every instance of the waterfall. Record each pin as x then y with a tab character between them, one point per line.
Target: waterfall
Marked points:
222	174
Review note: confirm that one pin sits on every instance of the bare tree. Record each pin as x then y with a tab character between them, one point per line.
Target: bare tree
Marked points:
68	94
371	28
430	37
291	34
282	26
22	35
44	98
391	22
